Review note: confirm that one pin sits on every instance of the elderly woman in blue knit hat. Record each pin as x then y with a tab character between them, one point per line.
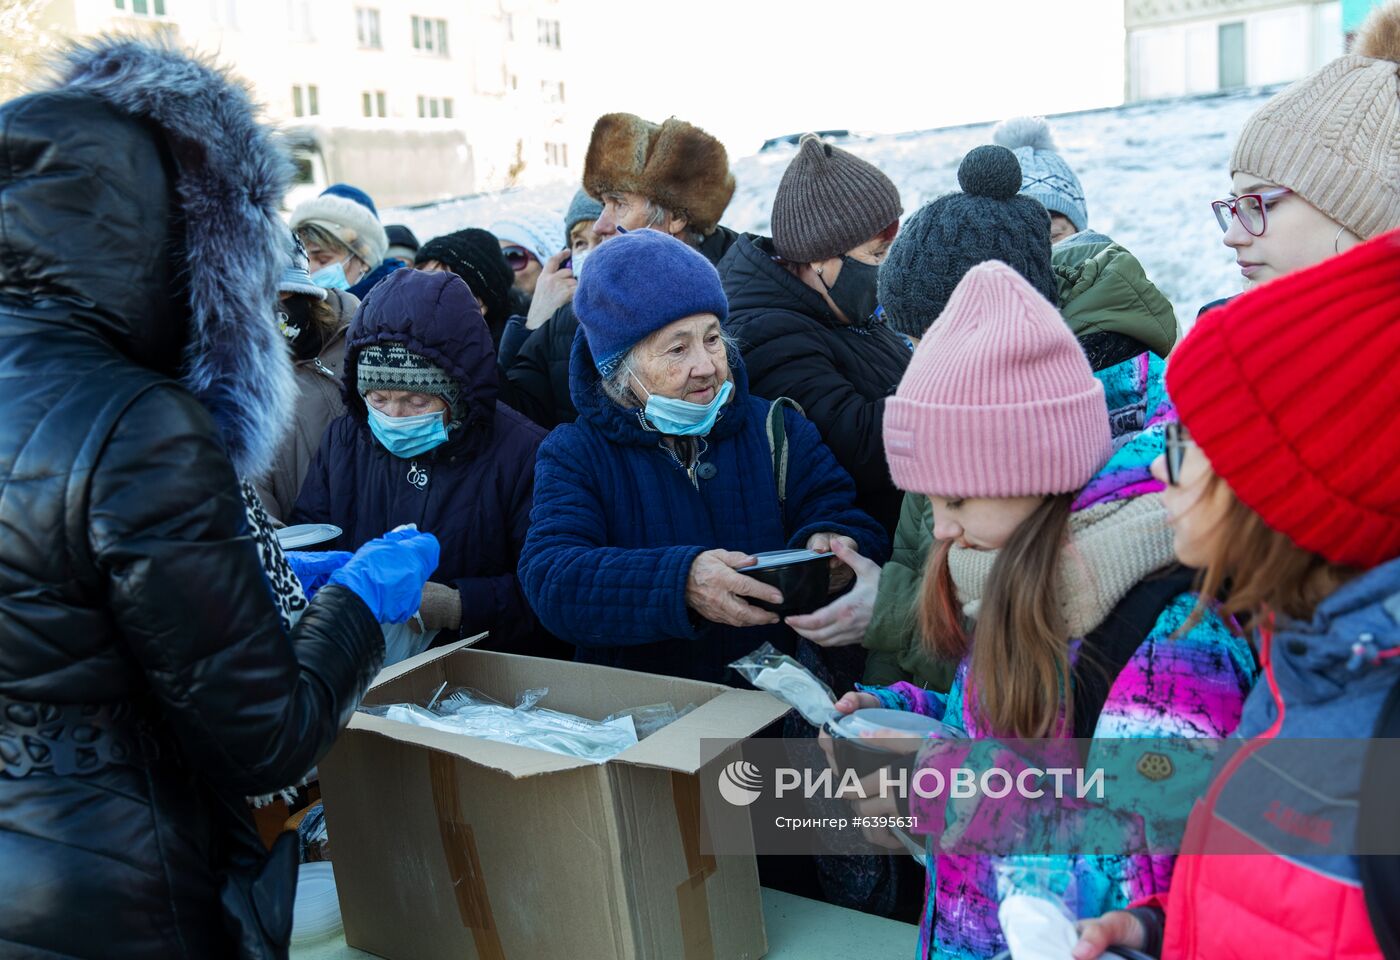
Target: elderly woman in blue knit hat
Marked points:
650	505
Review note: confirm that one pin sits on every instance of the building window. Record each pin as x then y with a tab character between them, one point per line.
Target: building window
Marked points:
430	35
547	33
143	8
299	19
1231	44
372	103
556	154
552	91
367	28
305	100
434	108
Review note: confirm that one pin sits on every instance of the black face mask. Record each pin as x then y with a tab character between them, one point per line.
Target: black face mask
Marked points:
308	340
854	290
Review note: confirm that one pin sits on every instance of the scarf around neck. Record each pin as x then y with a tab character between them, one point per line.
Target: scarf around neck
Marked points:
1111	548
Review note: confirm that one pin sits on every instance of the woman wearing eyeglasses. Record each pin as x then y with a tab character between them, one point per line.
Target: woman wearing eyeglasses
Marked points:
1284	489
1317	169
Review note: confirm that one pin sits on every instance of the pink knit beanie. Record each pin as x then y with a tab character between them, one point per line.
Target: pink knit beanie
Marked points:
999	400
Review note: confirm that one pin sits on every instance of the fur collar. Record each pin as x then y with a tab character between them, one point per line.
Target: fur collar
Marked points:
230	177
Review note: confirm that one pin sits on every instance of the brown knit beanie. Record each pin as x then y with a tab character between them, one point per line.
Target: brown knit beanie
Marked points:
1334	138
830	201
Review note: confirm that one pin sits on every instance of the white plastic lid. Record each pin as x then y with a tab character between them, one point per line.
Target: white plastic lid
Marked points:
871	721
316	913
780	558
307	535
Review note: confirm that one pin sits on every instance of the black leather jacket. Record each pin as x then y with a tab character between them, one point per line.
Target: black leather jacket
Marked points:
146	684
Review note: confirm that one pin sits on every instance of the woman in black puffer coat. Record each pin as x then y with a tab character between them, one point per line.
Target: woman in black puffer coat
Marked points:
147	680
803	308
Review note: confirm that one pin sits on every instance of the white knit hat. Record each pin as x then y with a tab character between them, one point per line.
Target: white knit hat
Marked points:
356	225
534	228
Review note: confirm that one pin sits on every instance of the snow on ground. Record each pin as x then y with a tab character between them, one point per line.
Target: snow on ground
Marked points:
1149	172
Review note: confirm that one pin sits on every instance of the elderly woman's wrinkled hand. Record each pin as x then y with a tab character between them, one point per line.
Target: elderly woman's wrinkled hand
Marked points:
844	621
715	587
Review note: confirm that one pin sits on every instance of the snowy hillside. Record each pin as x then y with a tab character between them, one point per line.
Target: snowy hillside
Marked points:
1149	172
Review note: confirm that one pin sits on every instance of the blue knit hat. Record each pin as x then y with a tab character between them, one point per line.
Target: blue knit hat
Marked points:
637	283
582	207
351	193
1045	175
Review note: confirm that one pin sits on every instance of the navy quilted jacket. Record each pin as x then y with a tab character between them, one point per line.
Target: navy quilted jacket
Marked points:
473	492
618	522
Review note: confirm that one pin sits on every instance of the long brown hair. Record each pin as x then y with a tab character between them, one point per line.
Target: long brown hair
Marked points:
1020	663
1257	571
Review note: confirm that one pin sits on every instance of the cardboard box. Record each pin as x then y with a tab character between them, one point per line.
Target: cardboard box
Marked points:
446	846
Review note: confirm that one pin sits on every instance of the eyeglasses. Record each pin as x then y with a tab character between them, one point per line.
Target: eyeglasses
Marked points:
1250	209
1177	442
518	257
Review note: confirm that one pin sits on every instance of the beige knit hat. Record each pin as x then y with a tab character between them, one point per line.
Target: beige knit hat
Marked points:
1334	137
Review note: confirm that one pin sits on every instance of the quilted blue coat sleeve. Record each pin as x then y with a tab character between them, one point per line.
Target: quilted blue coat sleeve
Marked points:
821	495
584	592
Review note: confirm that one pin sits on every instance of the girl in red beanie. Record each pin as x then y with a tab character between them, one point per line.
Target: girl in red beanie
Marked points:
1054	589
1284	489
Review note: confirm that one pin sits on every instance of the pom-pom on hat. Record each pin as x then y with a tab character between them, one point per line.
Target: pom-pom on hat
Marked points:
1044	174
947	237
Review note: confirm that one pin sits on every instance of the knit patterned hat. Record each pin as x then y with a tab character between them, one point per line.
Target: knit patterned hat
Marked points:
392	366
349	213
830	201
475	256
998	400
582	207
1290	391
637	283
947	237
1044	174
531	227
1334	138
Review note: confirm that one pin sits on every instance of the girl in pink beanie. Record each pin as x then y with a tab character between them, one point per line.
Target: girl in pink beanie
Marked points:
1049	544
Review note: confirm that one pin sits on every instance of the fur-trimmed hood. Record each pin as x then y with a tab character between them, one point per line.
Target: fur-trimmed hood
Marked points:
171	253
676	164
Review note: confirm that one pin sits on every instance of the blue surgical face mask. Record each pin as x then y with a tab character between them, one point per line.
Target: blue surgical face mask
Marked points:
331	277
681	418
407	437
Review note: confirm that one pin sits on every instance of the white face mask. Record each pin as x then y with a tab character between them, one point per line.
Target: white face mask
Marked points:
576	262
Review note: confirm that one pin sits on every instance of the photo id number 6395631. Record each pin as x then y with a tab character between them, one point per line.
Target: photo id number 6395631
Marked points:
869	823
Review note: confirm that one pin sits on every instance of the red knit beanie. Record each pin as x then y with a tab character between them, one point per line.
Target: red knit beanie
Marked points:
1293	392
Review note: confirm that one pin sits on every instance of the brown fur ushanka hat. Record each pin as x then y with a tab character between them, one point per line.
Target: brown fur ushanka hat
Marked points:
677	165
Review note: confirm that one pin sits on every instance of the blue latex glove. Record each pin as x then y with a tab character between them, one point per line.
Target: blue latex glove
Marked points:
314	567
388	573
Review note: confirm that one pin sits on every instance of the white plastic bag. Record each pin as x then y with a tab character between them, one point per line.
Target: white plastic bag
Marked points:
471	713
789	681
401	641
1035	916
